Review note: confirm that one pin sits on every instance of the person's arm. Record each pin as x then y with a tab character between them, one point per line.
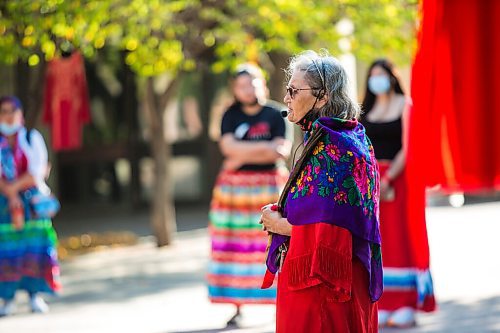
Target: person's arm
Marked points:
6	189
38	162
399	161
238	152
14	202
396	167
231	147
11	189
37	168
254	152
22	183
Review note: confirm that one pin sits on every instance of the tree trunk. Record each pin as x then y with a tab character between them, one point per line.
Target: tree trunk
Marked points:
131	107
277	81
29	89
162	208
212	157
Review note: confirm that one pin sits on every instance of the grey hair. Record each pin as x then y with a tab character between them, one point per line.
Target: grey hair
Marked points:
325	75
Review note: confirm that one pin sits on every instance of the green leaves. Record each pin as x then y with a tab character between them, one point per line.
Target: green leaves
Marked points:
168	36
384	28
315	162
376	252
344	158
349	182
323	191
353	194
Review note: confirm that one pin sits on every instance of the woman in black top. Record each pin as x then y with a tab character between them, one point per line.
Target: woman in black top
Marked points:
407	282
252	142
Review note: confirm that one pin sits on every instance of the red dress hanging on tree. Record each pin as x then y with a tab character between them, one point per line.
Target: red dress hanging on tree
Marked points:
66	102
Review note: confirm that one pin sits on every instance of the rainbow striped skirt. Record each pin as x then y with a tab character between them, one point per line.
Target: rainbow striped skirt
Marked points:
28	257
237	264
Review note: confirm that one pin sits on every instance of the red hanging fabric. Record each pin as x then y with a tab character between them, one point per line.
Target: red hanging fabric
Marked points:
66	102
454	132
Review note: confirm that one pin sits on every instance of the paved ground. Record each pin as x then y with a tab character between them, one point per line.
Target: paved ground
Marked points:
142	289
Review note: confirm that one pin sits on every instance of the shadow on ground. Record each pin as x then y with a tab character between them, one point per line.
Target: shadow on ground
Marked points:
229	329
122	275
482	316
81	219
106	290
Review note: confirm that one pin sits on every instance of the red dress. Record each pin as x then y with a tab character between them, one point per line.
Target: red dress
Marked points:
322	287
66	101
405	251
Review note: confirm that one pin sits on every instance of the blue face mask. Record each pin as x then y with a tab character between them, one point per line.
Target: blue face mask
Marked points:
379	84
8	130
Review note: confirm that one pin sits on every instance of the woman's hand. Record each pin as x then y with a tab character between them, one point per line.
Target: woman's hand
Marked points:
272	221
282	147
386	191
12	189
15	202
17	212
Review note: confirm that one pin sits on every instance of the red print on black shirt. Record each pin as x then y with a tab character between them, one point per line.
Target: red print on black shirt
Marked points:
259	131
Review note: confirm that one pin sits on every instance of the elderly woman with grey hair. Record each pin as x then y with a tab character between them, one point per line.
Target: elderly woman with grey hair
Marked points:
325	239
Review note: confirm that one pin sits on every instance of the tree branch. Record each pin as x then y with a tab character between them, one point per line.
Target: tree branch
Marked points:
165	97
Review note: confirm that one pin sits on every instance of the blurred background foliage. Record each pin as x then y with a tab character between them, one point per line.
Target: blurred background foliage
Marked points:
169	36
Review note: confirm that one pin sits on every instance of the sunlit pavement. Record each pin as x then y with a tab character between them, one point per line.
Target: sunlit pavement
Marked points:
143	289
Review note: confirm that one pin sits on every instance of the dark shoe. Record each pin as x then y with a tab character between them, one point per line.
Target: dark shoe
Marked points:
235	320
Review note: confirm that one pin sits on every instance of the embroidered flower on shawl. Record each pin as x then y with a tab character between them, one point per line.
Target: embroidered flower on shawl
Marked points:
310	190
319	148
303	186
373	191
341	197
308	173
360	176
333	151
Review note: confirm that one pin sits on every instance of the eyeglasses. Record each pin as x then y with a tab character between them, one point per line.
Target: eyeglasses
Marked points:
293	91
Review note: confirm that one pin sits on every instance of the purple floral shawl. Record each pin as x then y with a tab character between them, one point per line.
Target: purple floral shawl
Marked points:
338	183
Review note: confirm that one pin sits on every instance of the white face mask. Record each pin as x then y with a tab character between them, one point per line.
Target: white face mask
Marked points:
8	130
379	84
